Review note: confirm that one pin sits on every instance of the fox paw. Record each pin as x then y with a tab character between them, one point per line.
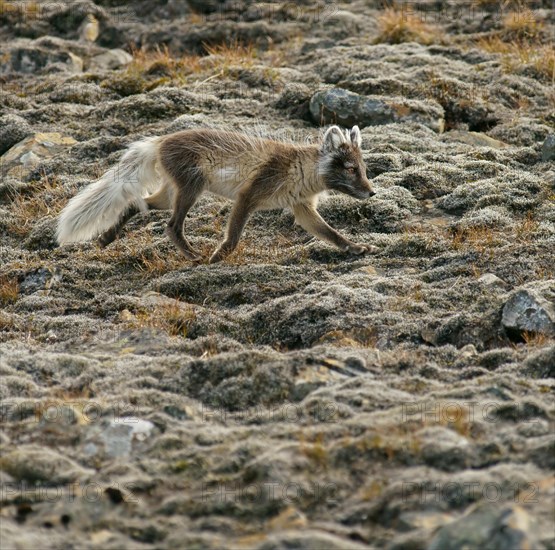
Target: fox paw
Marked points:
359	249
218	256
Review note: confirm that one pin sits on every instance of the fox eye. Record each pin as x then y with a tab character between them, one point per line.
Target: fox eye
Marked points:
350	169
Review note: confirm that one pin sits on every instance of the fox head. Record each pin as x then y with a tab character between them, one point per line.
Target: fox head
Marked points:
340	164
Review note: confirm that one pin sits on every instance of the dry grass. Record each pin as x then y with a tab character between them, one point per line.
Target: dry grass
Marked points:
521	54
174	319
26	211
9	288
23	10
152	68
521	25
236	52
481	239
400	25
161	62
536	339
156	262
527	227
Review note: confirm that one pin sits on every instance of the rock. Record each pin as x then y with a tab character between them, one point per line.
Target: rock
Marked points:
548	148
41	279
542	363
541	451
490	279
409	521
117	437
110	60
308	540
13	129
528	311
294	99
338	106
35	59
23	157
340	24
39	464
445	449
488	526
476	139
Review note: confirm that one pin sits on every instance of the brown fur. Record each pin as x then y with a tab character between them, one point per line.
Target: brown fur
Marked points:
256	173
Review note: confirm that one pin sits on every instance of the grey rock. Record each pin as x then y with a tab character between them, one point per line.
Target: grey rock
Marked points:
35	59
445	449
39	464
347	108
548	148
20	159
13	129
477	139
490	279
488	526
528	311
110	60
117	437
39	279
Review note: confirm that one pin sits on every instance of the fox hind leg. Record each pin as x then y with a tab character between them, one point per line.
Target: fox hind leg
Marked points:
185	199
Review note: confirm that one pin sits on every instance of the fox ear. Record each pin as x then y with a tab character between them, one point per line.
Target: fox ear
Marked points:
333	138
356	138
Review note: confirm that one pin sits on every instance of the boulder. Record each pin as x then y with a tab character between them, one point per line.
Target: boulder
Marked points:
548	148
488	526
13	129
34	59
338	106
38	464
528	311
24	156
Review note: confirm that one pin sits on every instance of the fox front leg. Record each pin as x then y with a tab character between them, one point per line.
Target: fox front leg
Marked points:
244	206
308	218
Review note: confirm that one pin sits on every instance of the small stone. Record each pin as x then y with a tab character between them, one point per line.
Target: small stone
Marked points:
117	437
476	139
444	449
422	520
489	279
110	60
290	518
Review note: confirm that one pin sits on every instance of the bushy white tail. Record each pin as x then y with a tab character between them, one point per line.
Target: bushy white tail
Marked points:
99	206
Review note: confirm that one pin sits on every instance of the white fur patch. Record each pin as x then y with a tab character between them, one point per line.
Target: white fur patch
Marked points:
333	138
355	138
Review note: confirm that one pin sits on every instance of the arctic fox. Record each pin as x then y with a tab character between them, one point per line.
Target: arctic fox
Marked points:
256	173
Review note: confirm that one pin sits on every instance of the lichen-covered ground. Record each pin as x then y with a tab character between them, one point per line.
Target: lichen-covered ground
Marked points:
293	396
